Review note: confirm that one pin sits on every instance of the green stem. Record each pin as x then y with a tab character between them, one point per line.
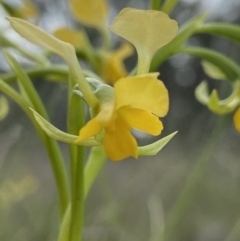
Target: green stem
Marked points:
155	4
105	39
96	160
192	184
65	225
76	120
168	6
59	71
51	145
77	212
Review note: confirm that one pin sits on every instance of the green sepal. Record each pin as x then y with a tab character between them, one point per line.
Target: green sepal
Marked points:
225	64
212	101
202	93
4	107
229	31
59	135
213	71
184	33
103	92
154	148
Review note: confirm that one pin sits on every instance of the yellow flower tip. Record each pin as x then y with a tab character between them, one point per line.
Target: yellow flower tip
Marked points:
143	92
141	120
92	13
119	142
147	30
27	10
113	66
236	120
92	128
70	36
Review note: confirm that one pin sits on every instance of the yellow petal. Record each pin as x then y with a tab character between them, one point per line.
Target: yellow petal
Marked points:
147	30
119	142
70	36
90	129
114	68
92	13
143	92
236	120
141	120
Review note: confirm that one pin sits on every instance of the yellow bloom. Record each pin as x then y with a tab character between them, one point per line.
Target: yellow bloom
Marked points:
147	30
138	102
236	119
92	13
28	10
113	63
71	36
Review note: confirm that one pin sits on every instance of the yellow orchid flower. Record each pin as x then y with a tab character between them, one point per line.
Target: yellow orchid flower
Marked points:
138	102
236	119
92	13
113	63
25	11
28	10
71	36
147	30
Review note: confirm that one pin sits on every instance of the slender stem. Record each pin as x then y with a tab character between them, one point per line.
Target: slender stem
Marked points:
51	146
155	4
168	6
105	38
65	225
57	73
192	184
77	212
76	120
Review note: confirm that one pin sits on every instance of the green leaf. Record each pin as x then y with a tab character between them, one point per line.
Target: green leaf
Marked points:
168	6
4	107
213	71
229	31
154	148
225	64
59	135
184	33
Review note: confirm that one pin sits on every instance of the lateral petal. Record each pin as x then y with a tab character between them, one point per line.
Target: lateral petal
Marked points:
92	13
70	36
119	142
143	92
114	68
142	120
90	129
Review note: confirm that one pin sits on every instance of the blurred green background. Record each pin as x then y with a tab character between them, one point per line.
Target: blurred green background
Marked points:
133	199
